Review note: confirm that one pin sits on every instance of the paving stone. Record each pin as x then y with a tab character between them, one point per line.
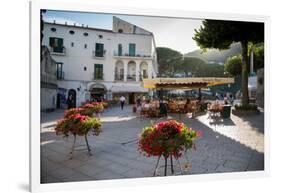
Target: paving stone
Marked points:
222	148
90	170
223	169
242	166
108	175
49	179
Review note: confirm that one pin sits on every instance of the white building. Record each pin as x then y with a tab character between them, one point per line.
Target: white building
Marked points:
99	63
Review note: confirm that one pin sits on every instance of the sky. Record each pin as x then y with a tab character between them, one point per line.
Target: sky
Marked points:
175	33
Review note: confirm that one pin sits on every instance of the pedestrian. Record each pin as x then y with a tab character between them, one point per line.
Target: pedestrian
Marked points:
69	102
138	101
122	101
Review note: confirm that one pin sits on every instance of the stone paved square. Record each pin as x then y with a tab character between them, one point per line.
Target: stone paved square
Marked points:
227	145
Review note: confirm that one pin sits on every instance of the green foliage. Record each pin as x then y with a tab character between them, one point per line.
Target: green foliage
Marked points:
92	123
192	64
168	60
259	56
233	65
221	34
248	107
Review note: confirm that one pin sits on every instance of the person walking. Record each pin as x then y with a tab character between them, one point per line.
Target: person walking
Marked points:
138	101
122	101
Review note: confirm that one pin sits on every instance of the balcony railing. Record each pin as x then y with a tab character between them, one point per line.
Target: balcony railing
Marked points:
58	51
119	77
143	76
98	76
99	54
131	77
137	54
60	75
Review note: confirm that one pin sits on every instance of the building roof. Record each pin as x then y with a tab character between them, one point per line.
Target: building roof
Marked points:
81	27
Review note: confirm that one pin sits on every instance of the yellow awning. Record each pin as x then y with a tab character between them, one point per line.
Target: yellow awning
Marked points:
185	83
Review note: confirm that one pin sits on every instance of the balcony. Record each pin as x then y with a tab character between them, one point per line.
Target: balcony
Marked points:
99	54
60	75
60	51
143	76
131	77
119	77
98	77
142	55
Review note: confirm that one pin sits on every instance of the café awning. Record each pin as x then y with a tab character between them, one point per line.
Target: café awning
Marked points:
185	83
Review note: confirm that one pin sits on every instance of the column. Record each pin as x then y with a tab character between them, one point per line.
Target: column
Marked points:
138	71
149	69
125	70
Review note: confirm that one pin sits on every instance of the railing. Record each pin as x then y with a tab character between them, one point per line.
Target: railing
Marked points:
138	54
119	77
98	76
131	77
143	76
58	51
98	54
60	75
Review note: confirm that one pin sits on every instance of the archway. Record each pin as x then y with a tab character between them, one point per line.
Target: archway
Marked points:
143	70
131	71
97	92
119	70
71	100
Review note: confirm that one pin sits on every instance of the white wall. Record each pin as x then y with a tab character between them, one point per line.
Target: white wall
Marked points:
77	57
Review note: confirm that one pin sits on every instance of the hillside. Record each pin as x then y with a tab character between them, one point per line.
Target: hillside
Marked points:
214	55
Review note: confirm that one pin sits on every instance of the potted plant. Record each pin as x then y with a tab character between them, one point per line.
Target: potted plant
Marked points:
167	139
78	125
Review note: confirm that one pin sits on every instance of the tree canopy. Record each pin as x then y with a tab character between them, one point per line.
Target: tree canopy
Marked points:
168	60
233	65
221	34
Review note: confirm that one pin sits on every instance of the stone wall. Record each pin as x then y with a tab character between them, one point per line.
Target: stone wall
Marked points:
48	84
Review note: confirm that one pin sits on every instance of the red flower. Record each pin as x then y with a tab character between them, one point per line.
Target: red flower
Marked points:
166	138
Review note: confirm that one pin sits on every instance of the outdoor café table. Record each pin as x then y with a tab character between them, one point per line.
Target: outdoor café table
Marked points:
216	108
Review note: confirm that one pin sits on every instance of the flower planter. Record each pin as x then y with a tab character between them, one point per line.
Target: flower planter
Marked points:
78	122
245	112
167	139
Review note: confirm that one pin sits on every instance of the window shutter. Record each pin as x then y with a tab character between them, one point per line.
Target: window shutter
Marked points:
51	42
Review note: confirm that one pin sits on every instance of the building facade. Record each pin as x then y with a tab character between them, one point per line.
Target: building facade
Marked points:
92	64
48	82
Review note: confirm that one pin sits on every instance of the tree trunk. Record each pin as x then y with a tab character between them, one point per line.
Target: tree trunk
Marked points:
245	92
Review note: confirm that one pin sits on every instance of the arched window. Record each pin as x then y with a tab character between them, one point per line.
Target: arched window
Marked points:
85	34
120	31
53	29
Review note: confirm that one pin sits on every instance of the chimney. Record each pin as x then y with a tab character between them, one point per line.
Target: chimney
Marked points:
54	21
86	26
65	23
74	24
82	25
